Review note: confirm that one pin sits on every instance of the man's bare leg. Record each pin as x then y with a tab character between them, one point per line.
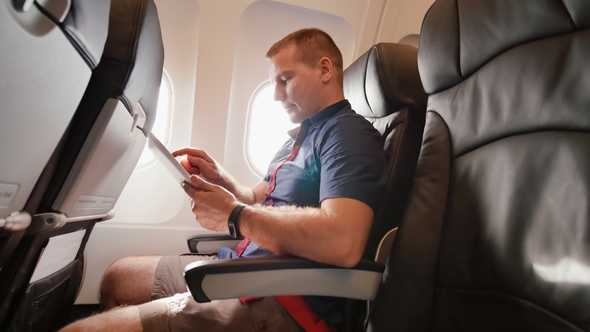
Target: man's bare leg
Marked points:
128	281
124	319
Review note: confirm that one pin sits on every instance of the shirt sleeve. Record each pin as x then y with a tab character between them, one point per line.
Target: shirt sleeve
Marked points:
353	163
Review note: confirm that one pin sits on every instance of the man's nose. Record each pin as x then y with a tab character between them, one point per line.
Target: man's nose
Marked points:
279	94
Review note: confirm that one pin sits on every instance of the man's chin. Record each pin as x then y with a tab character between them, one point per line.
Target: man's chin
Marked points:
295	119
294	116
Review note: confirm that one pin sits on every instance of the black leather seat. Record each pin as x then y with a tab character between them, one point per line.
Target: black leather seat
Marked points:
92	164
382	85
496	236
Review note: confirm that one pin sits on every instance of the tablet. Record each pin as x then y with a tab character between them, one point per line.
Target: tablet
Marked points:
166	158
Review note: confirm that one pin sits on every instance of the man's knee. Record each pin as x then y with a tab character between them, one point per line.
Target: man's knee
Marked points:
128	280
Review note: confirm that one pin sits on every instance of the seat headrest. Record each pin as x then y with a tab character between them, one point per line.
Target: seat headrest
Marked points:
384	80
86	25
135	52
458	45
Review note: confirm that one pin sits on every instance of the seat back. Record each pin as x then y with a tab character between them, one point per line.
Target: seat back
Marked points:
495	236
92	165
109	131
383	85
48	52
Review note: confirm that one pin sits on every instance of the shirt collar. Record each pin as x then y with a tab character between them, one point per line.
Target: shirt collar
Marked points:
328	112
318	119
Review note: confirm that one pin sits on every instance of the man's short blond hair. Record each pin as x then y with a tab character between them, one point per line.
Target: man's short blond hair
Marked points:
312	44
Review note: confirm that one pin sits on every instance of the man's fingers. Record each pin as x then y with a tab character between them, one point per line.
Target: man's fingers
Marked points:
185	151
192	152
188	188
196	188
195	161
201	184
192	169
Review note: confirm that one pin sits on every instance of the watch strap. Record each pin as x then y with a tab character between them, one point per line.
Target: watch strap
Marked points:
232	222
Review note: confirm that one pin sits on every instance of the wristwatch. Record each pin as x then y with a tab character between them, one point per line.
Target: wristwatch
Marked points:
232	222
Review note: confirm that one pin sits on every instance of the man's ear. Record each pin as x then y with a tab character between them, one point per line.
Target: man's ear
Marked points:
326	68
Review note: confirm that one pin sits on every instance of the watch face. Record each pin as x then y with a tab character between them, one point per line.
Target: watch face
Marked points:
232	230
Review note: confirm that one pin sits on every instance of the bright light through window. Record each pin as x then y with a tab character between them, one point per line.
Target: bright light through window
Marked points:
162	123
268	124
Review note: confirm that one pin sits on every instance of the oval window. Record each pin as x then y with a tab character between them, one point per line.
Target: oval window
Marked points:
161	128
267	128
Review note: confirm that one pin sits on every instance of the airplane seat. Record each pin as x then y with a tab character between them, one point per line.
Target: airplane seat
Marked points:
495	237
47	58
93	163
412	39
382	85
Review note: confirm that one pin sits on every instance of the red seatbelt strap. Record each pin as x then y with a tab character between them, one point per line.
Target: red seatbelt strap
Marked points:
301	134
242	247
300	311
295	306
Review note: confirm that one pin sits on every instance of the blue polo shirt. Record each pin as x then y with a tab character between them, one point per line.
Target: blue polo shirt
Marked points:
341	157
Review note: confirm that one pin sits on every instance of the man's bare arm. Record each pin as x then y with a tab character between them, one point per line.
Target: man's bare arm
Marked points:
336	233
258	191
245	194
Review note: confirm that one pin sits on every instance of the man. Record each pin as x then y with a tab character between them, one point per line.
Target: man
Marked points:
317	201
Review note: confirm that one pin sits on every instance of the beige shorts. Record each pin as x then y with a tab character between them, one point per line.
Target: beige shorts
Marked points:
173	308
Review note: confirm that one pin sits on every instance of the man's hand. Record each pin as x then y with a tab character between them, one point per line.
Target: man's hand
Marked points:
212	203
199	162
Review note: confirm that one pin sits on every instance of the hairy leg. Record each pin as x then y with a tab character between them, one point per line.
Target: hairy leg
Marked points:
124	319
128	281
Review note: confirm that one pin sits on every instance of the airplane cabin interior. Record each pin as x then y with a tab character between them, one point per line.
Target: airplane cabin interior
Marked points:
483	107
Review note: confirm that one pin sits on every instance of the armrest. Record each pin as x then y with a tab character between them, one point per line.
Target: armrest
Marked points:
280	275
210	243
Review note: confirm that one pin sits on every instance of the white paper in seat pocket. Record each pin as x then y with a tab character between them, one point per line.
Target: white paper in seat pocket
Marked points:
60	251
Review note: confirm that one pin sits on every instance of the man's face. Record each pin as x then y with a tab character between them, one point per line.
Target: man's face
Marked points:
297	86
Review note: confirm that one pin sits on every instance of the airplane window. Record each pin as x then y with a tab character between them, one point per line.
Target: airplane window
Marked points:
162	123
255	130
266	118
